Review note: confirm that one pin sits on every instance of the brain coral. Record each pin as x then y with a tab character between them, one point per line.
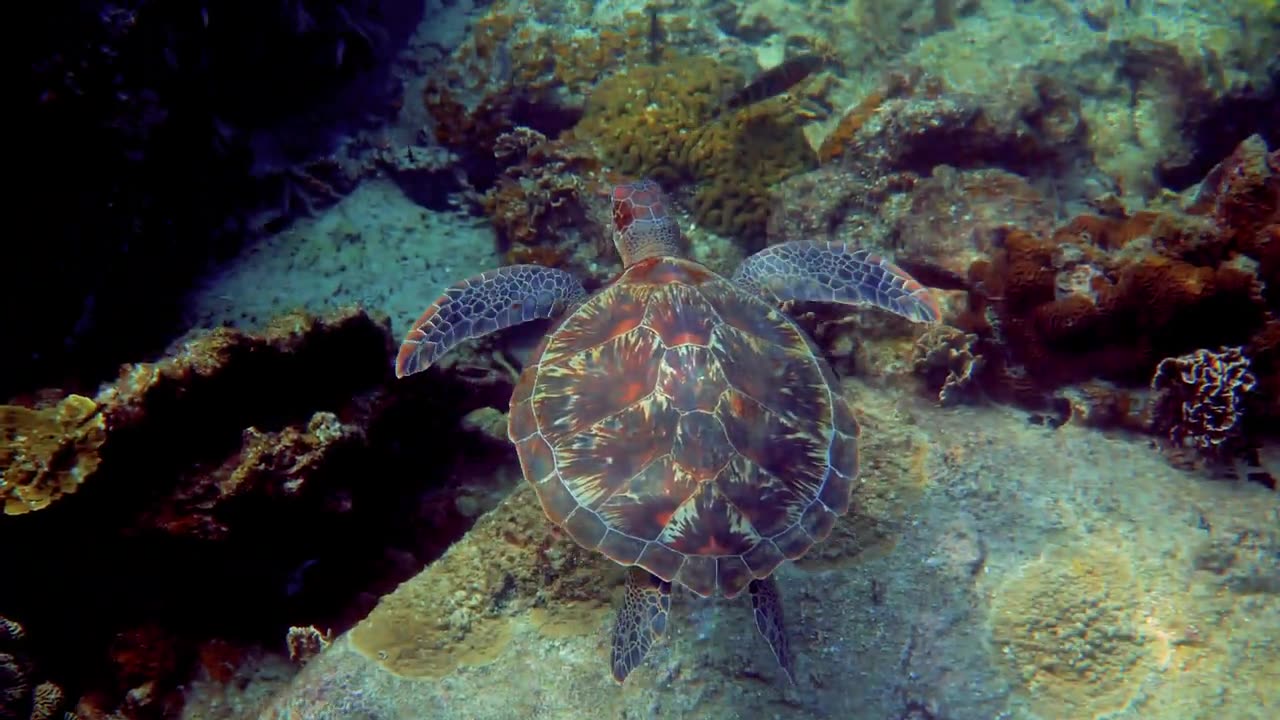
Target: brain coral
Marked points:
1066	630
657	121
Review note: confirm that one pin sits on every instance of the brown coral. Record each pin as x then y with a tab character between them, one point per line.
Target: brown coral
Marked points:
1200	398
47	453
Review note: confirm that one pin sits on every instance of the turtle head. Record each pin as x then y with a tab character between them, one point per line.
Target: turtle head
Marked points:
642	223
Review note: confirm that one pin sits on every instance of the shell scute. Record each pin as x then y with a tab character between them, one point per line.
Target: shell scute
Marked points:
681	315
701	446
621	548
691	377
614	311
596	383
585	527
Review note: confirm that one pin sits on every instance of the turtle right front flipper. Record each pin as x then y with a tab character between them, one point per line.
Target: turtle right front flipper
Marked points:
821	271
483	304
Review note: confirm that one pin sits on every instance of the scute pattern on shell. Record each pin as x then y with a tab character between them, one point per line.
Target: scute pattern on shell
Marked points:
676	423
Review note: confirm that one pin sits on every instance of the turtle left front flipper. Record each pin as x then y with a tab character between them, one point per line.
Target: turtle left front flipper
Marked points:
821	271
766	604
483	304
646	603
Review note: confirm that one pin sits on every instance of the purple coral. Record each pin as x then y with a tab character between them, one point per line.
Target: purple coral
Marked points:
1199	398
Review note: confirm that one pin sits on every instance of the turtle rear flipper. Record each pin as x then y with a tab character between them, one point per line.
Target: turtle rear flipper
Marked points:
646	603
822	271
766	604
483	304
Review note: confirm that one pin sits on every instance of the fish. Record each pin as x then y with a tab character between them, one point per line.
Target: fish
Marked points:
655	36
773	82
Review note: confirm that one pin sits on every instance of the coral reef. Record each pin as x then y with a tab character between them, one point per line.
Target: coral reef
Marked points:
657	122
517	67
222	472
915	122
47	453
268	464
232	443
936	226
1200	398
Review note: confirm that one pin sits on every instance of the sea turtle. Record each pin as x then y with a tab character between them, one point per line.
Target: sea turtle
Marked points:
677	421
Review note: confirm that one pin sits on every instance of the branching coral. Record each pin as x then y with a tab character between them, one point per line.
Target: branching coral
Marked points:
657	121
47	453
1200	398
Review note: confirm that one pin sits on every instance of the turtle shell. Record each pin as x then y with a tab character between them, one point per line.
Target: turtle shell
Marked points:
676	423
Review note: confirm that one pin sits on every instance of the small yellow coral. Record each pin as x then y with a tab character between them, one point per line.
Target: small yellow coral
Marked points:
47	453
1067	629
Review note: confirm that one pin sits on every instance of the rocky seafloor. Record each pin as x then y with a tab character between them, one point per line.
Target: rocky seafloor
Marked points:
219	503
994	569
